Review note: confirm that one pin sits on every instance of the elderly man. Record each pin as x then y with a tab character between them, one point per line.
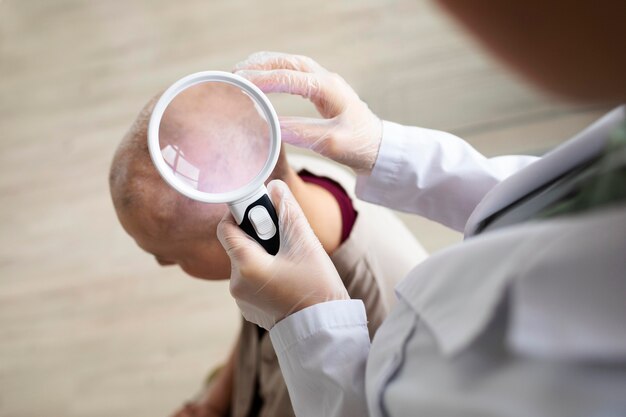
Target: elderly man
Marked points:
179	231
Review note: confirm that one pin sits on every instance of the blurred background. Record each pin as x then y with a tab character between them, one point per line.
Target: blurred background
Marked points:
90	325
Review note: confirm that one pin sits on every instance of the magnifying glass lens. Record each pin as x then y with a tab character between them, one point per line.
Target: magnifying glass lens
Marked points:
214	137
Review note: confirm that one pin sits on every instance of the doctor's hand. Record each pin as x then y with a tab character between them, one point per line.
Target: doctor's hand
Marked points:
268	288
349	132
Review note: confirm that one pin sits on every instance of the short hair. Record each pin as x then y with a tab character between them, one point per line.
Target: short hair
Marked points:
138	190
131	161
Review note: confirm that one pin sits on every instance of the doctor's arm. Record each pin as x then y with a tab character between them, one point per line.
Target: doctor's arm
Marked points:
319	334
322	351
433	173
427	172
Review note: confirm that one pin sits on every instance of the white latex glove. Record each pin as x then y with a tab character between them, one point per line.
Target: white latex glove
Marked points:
349	133
268	288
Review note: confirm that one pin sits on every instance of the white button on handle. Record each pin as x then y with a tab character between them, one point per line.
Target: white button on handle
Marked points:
262	222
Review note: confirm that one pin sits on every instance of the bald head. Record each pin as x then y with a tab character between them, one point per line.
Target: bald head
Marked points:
172	227
213	136
138	190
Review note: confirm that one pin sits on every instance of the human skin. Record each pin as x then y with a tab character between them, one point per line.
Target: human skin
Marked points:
179	231
218	129
573	49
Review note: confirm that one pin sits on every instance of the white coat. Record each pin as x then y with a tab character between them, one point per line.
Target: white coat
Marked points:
527	320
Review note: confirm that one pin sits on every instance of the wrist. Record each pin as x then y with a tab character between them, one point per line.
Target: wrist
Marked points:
337	295
378	139
370	154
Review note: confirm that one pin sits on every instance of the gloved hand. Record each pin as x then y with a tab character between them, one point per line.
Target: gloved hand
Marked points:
349	133
268	288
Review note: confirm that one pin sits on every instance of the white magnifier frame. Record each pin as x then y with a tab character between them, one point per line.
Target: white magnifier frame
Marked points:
244	201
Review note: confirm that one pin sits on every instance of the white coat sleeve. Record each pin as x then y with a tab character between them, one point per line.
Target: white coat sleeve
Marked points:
434	174
322	351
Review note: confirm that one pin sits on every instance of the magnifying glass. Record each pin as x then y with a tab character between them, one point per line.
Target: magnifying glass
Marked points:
214	137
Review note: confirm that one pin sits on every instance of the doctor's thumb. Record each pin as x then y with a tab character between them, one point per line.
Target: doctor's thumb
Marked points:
239	247
292	222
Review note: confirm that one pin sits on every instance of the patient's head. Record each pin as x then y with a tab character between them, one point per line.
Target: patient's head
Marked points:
214	136
166	224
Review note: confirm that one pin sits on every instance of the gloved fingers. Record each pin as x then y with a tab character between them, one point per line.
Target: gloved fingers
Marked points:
268	288
277	60
296	236
306	132
349	132
313	86
240	247
291	219
292	224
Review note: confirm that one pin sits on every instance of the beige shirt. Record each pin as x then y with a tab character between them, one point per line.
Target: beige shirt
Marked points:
369	269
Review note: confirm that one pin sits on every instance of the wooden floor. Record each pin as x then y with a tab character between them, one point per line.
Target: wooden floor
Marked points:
91	326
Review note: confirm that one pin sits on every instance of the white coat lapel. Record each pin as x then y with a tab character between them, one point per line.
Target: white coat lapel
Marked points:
586	145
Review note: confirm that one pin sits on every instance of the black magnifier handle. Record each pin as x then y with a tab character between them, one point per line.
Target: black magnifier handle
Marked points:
261	223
